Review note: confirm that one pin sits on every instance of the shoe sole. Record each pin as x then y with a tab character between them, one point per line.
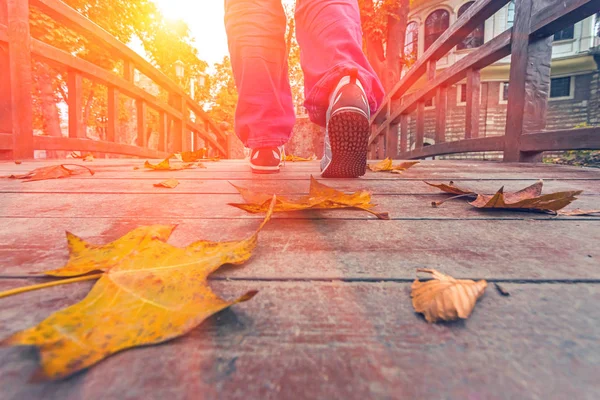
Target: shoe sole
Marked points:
265	171
349	133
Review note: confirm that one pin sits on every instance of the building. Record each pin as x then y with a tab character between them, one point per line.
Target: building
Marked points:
574	93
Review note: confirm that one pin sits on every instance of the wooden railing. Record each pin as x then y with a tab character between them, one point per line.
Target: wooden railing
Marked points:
175	126
530	43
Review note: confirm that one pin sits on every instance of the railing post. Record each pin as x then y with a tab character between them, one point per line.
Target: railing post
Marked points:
75	90
391	132
403	133
19	54
162	131
186	140
473	104
529	85
142	139
5	117
420	134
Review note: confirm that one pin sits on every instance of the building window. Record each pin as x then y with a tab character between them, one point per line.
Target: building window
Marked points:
565	34
436	24
462	93
429	103
560	87
411	47
475	38
510	14
504	91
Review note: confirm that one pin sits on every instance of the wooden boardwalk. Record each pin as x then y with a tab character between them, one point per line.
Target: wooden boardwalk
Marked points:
333	318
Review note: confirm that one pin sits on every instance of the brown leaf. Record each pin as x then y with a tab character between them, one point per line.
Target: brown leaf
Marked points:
387	166
52	172
445	298
165	165
320	197
150	292
18	162
169	184
528	199
578	212
193	156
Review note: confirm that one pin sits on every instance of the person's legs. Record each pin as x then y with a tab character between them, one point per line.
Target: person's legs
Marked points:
256	34
330	38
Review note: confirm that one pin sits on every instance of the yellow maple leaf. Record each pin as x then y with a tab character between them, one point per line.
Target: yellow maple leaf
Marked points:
445	298
165	165
320	197
52	172
153	294
169	183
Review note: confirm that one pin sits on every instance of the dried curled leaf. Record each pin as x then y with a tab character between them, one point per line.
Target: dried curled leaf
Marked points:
154	293
387	165
528	199
52	172
445	298
193	156
320	197
169	184
293	158
165	165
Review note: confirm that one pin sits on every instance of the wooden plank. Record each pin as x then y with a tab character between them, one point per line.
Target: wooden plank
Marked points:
473	104
552	16
70	144
168	204
75	88
142	139
19	53
420	126
491	143
441	107
112	127
573	139
341	340
338	249
143	184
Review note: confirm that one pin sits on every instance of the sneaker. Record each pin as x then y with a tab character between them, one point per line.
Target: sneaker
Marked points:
347	131
266	160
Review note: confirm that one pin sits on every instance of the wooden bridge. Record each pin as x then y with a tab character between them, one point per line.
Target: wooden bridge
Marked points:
333	317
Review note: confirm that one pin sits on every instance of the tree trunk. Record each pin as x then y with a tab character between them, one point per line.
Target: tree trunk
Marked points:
396	38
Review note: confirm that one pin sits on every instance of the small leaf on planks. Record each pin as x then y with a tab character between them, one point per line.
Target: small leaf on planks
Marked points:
193	156
52	172
293	158
387	165
445	298
579	213
320	197
528	199
165	165
150	292
169	184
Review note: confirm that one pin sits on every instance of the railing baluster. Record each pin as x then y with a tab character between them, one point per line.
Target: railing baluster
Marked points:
473	104
420	134
113	114
403	133
186	140
128	70
441	105
162	131
75	91
142	139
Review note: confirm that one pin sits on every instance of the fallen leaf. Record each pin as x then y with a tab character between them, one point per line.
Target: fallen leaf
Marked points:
445	298
501	290
18	162
52	172
86	157
192	156
451	188
293	158
578	213
165	165
528	199
153	294
387	165
169	184
320	197
89	157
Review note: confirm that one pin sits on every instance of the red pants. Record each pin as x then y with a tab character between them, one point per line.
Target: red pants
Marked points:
330	39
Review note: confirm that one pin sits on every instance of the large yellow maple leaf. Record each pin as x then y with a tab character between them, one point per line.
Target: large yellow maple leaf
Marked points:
148	294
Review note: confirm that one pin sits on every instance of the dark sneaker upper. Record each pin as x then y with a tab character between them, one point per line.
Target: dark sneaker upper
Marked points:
347	132
266	160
